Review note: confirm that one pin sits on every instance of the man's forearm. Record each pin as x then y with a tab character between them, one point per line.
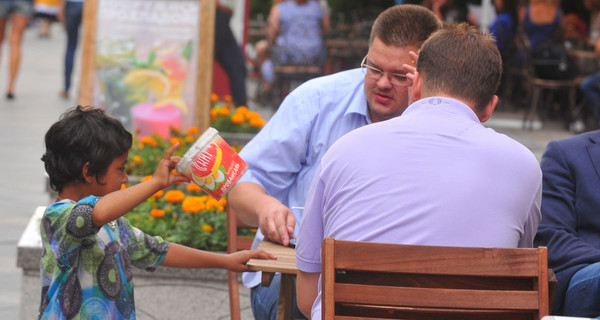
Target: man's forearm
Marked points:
245	198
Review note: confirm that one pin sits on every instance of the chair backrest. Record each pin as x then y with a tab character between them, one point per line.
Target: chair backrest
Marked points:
378	281
235	243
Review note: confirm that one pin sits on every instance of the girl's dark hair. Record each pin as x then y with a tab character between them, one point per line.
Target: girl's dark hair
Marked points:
83	135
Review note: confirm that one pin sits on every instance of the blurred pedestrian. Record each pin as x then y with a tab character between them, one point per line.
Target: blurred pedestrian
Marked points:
229	54
19	12
47	12
70	14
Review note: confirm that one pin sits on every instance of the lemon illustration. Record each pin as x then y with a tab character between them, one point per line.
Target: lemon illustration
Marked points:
217	160
212	180
149	80
172	102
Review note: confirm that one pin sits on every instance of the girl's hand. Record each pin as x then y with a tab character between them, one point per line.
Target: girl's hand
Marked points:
237	261
164	171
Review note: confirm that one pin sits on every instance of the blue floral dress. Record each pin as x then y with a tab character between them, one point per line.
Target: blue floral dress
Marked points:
86	270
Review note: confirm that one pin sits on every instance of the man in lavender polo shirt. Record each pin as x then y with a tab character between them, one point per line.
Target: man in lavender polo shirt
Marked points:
433	176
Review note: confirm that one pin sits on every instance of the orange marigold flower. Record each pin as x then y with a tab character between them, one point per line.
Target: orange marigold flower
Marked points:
146	178
192	187
141	146
137	159
257	122
176	140
214	113
192	130
224	111
211	204
223	201
174	196
157	213
193	204
214	97
227	98
123	186
237	118
208	228
189	139
149	141
158	194
242	109
253	115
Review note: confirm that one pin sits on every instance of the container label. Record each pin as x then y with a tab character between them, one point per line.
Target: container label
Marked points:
217	167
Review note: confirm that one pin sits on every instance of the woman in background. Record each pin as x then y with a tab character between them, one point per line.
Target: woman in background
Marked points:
19	11
542	22
71	14
295	31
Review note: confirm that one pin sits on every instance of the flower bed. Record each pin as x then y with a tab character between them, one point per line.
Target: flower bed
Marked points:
186	215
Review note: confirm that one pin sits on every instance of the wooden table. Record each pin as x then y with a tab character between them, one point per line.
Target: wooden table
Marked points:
286	265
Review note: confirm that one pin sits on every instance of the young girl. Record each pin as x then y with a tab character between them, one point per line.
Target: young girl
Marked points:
88	247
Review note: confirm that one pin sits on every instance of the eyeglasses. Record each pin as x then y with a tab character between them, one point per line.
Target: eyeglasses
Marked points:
396	79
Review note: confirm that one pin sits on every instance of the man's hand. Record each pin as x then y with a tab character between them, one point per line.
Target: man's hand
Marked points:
277	222
412	67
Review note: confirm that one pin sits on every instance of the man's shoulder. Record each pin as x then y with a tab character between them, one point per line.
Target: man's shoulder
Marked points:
579	140
343	81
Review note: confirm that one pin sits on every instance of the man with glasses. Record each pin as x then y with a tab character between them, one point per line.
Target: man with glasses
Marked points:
434	176
283	157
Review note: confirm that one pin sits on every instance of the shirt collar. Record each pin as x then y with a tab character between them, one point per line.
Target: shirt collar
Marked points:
448	104
360	108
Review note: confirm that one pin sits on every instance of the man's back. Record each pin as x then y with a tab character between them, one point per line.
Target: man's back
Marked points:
434	176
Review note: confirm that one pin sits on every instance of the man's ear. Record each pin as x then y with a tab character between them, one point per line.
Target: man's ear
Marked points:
417	87
489	109
88	178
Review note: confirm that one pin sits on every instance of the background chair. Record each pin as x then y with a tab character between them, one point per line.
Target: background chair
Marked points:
545	90
235	243
380	281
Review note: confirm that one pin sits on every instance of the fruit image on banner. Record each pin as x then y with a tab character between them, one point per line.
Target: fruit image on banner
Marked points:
212	164
147	57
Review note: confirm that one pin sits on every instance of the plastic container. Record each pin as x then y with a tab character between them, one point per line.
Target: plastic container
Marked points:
212	164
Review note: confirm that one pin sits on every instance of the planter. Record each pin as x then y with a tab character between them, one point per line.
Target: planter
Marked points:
237	138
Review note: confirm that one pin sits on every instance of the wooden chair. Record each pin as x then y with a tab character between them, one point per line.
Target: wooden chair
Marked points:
380	281
287	73
545	91
235	243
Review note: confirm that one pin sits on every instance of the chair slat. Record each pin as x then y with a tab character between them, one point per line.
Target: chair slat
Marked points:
440	260
436	297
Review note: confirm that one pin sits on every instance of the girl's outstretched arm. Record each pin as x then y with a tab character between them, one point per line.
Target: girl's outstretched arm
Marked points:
180	256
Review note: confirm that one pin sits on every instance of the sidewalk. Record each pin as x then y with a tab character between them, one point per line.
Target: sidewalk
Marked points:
23	123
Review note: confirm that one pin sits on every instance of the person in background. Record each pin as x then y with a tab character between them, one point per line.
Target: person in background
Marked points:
71	15
88	247
46	11
542	21
445	179
505	27
295	35
18	12
570	226
229	54
590	86
284	155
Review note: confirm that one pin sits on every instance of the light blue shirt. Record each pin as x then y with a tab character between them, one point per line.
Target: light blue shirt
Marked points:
284	155
434	176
